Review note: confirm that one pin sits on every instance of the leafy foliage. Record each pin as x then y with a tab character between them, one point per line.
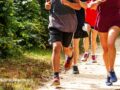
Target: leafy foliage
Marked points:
8	42
22	26
31	30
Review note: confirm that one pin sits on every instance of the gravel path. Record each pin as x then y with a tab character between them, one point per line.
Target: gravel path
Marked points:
91	77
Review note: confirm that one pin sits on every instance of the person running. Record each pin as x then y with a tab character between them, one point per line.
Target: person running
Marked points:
80	33
62	24
108	26
90	18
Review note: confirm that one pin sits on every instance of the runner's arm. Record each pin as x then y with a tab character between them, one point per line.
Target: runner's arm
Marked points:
74	5
94	4
83	4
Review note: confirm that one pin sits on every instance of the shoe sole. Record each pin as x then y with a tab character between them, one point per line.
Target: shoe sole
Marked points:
109	84
55	84
113	80
75	72
84	60
94	61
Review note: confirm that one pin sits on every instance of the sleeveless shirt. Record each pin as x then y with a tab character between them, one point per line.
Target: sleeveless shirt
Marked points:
62	17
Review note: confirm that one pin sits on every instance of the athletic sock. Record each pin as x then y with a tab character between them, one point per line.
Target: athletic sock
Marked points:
56	74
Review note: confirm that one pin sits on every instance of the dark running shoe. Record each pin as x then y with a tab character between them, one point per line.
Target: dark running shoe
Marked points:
108	82
75	70
56	81
113	76
68	63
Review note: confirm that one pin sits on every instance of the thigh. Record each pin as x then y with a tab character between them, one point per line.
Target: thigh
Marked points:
103	39
113	34
94	33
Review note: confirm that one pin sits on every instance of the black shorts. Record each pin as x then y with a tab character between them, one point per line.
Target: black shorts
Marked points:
80	33
56	35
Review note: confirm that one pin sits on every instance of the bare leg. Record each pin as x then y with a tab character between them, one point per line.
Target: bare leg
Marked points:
93	41
76	50
69	59
86	44
86	41
68	51
56	56
103	40
112	36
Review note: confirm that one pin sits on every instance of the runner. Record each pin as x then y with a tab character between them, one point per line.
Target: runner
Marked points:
80	33
62	24
108	26
90	18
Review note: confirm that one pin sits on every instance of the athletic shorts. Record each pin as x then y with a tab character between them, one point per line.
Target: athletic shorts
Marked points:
80	33
56	35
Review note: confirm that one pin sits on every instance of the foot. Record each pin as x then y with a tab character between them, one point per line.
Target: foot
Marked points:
56	81
113	76
68	63
85	57
94	59
108	82
75	70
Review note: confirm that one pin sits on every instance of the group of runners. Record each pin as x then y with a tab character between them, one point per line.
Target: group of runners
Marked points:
70	20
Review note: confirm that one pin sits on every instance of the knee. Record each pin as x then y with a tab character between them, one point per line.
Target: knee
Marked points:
67	49
115	28
105	49
56	48
111	45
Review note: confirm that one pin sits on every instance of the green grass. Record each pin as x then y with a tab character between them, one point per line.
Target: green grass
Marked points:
39	54
30	70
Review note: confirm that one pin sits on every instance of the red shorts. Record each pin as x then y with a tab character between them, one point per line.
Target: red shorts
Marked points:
90	16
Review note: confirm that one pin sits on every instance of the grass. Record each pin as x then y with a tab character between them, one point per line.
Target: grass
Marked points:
25	72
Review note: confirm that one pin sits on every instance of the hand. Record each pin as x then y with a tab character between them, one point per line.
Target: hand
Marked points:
47	5
92	4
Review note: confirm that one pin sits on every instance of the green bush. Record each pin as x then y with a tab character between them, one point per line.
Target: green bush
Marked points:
32	28
8	42
22	26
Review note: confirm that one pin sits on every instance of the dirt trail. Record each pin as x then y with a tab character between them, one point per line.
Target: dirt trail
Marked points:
91	77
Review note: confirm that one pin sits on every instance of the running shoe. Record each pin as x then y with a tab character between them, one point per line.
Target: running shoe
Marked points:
94	59
108	82
85	57
56	81
68	63
75	70
113	76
